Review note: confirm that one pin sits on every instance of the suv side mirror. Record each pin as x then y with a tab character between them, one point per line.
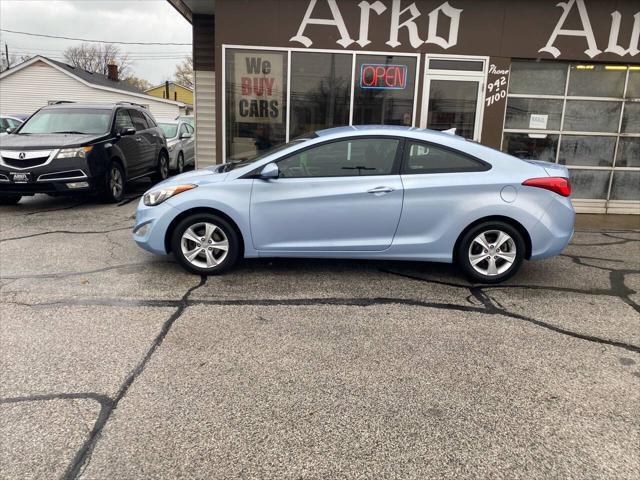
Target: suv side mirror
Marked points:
127	131
270	170
185	135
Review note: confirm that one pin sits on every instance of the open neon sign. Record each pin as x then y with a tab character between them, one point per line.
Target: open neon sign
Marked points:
383	76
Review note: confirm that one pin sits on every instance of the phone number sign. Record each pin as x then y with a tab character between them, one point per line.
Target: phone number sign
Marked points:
383	76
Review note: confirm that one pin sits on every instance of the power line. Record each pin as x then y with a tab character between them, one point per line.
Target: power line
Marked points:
92	41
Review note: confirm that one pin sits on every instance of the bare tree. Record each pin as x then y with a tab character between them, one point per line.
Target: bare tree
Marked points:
96	58
139	83
13	61
184	72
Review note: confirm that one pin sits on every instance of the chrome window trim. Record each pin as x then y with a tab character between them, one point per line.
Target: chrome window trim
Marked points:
29	154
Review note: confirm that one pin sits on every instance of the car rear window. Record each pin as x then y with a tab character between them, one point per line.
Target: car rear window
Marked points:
170	129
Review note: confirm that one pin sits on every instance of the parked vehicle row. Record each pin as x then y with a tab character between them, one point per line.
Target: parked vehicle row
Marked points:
72	148
364	192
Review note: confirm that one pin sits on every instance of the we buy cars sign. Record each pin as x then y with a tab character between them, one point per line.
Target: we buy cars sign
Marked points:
258	85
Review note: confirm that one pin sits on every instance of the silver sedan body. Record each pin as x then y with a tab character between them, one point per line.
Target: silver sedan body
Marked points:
180	142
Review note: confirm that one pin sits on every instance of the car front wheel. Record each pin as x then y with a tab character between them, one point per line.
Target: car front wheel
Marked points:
205	244
491	252
113	189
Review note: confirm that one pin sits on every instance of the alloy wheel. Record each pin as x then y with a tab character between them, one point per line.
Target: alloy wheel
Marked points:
204	245
492	253
180	163
116	183
164	167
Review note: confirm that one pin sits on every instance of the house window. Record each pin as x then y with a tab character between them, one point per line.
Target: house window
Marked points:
585	116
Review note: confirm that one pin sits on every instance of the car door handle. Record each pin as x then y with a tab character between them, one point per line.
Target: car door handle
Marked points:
380	190
138	139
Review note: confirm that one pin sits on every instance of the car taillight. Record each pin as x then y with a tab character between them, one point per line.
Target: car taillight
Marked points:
559	185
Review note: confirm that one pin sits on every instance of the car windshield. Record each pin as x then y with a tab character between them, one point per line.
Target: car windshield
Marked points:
170	129
235	162
68	120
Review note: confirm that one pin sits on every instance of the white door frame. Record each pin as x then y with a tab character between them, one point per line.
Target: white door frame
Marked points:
479	77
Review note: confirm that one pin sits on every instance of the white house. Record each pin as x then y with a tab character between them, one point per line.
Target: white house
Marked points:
41	81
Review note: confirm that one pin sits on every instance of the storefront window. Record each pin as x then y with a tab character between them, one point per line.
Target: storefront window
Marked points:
384	90
539	78
596	81
320	91
594	135
527	146
255	101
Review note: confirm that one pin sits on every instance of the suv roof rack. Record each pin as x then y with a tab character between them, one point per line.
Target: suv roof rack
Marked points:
60	102
131	103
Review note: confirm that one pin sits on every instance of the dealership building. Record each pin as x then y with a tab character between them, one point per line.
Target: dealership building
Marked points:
538	79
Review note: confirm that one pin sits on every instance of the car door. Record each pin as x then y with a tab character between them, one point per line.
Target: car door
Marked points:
341	195
146	138
188	144
128	144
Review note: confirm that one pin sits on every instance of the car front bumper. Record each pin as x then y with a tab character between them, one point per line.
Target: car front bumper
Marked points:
151	226
59	177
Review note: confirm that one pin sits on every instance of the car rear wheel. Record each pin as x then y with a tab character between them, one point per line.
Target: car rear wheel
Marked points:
491	252
10	199
113	189
205	244
162	168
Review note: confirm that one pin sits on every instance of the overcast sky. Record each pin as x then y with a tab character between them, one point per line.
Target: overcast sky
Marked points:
119	20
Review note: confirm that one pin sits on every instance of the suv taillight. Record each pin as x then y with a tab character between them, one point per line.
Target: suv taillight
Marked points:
559	185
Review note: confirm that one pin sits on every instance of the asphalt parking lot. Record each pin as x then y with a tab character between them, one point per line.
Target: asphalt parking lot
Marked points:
117	364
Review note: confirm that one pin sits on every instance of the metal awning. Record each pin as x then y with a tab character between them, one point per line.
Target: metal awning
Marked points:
189	8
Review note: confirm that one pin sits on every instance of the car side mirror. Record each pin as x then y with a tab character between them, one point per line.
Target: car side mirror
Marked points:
185	135
270	170
127	131
10	130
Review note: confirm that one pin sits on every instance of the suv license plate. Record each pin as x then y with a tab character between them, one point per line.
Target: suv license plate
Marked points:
21	177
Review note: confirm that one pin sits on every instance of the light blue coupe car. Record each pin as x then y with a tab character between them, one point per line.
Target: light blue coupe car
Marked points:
369	192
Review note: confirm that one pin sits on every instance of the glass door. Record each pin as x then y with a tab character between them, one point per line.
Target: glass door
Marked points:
453	96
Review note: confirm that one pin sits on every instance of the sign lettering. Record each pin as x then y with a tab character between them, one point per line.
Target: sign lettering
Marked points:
383	77
258	87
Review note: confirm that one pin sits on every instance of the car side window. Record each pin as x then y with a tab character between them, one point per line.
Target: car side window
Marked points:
190	129
345	158
138	120
429	158
123	120
4	124
183	129
150	121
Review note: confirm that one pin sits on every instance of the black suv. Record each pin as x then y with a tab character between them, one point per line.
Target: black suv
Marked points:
69	148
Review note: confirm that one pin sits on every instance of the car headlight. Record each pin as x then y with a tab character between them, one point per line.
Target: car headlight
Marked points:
74	152
156	197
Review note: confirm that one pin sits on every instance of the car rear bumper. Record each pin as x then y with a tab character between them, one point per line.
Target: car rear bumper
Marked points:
554	231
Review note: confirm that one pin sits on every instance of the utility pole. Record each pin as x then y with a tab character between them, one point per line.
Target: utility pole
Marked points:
6	52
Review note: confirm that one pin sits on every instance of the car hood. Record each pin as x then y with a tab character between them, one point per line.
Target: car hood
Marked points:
44	141
203	176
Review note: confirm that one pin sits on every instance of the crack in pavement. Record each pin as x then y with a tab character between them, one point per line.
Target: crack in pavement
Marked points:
489	306
83	456
66	232
129	200
84	272
69	207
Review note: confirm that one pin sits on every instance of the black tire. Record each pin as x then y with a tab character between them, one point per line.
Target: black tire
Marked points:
114	183
180	163
223	230
499	255
10	199
162	168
